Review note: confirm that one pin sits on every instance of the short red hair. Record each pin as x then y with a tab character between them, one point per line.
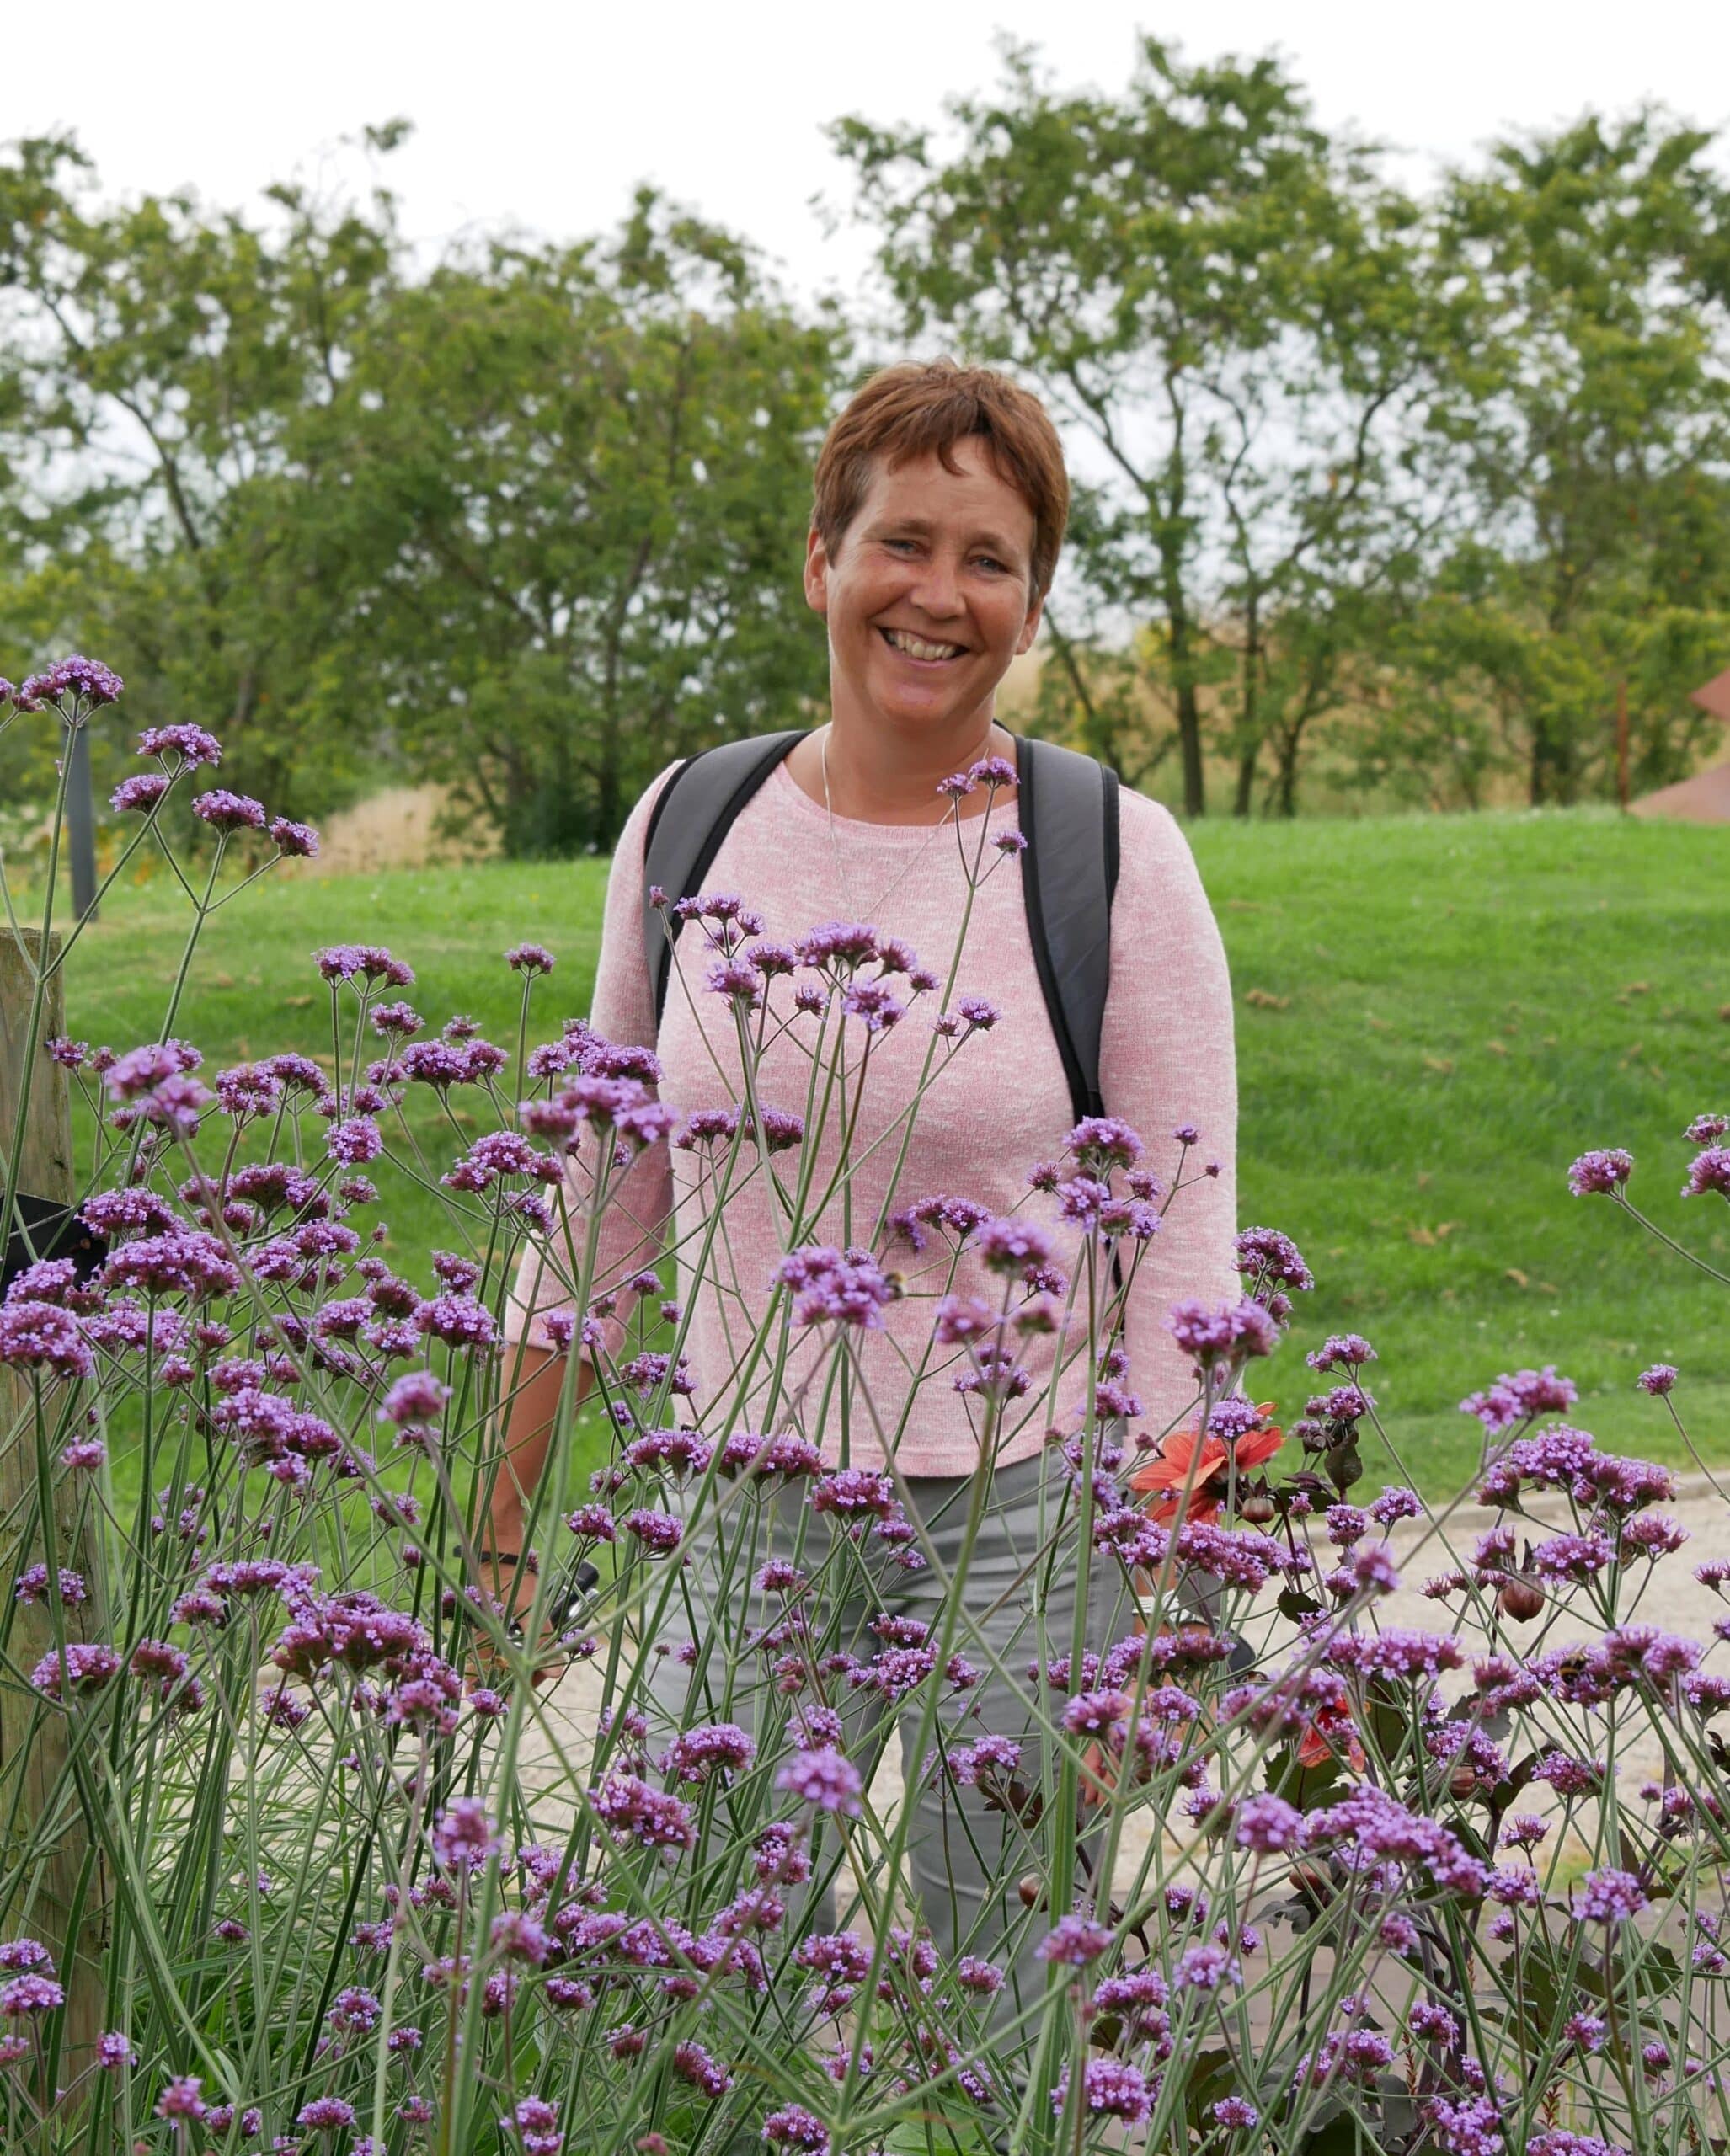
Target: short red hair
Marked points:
923	408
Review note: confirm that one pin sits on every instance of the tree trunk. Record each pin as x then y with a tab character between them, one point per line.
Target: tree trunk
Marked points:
1189	704
1247	759
1249	720
609	782
1538	782
61	1894
1285	773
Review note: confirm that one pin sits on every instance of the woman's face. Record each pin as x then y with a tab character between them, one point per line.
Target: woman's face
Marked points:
927	596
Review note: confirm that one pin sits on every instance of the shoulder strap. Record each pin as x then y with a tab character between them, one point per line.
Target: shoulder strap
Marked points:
680	849
1069	817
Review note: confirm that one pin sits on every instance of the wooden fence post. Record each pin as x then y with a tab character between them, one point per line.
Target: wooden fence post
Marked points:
60	1897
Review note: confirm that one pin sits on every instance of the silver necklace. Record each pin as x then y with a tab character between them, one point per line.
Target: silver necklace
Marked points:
865	913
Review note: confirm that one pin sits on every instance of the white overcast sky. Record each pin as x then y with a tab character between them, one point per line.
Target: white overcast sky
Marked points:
546	115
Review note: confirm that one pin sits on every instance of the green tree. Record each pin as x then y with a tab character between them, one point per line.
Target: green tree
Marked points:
158	361
1225	304
1592	420
530	522
565	495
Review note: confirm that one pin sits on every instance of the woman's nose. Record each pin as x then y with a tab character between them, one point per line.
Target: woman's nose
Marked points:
937	591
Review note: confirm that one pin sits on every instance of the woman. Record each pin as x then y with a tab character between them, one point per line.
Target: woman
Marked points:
941	499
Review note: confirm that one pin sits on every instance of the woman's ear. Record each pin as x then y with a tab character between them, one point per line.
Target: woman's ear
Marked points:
1030	626
816	572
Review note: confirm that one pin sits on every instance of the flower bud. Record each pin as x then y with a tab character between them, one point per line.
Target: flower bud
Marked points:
1521	1600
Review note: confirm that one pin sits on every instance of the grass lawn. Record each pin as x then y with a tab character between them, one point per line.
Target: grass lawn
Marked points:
1435	1016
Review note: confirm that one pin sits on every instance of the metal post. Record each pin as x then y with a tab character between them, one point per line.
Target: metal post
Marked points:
1621	742
80	823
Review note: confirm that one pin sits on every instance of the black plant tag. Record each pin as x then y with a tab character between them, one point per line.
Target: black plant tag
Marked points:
55	1231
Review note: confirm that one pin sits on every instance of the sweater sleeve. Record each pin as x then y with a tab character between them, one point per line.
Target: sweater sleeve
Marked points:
634	1227
1167	1059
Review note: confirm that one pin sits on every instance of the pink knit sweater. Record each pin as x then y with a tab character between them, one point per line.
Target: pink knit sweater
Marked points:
1001	1106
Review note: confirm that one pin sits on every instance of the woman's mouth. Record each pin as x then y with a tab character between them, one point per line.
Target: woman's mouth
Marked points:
919	648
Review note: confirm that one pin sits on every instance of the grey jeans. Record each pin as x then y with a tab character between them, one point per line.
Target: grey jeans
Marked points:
965	1857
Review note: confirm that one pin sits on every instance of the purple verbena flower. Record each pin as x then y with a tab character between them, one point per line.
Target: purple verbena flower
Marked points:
1609	1896
633	1812
31	1586
1265	1256
224	811
86	680
139	1068
1110	2088
143	790
1601	1172
535	2123
190	744
1074	1941
464	1836
293	841
1515	1397
824	1778
794	2127
855	1494
1349	1349
1224	1335
692	2062
992	772
696	1754
38	1336
27	1995
846	1287
326	2114
88	1667
872	1004
1012	1243
1102	1141
657	1533
735	982
1266	1824
183	1262
1207	1967
182	2098
355	1141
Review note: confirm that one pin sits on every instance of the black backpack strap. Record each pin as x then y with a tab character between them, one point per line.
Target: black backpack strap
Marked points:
1069	817
679	849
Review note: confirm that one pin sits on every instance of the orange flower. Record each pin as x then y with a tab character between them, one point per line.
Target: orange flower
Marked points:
1321	1743
1176	1465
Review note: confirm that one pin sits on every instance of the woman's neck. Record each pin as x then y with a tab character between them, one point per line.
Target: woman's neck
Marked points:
879	775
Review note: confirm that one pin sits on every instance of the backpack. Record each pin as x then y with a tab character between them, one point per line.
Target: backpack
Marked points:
1069	817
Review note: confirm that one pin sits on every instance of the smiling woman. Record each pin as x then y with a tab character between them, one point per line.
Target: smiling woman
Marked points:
940	502
940	505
